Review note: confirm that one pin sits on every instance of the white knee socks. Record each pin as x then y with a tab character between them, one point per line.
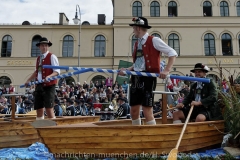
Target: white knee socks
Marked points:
40	118
177	121
136	122
152	122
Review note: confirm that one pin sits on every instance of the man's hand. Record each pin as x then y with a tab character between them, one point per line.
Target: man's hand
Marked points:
121	71
163	74
195	103
47	78
27	83
179	105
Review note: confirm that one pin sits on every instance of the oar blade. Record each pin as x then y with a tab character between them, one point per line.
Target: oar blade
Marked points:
173	154
43	123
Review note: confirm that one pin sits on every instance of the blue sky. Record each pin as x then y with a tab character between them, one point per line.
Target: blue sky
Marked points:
40	11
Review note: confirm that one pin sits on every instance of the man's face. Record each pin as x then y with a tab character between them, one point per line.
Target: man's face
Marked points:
199	73
43	48
136	31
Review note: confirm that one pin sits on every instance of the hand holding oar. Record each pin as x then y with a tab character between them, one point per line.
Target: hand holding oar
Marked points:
169	109
173	153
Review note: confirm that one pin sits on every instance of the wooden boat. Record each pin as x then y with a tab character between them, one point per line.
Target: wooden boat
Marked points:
119	136
20	132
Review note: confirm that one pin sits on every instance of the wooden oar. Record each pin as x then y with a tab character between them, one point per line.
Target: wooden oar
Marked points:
173	153
169	109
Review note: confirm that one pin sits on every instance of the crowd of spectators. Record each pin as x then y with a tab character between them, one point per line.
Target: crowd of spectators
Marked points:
73	99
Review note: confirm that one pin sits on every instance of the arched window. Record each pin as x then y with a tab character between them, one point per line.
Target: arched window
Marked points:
100	46
67	48
172	9
98	78
134	39
35	50
156	35
239	42
207	8
238	8
6	46
209	45
155	9
224	10
4	80
137	9
227	45
173	41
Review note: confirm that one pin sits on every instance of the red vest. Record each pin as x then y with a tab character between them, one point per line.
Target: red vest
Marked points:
45	71
11	90
151	56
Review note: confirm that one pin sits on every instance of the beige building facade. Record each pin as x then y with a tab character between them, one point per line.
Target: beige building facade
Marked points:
198	30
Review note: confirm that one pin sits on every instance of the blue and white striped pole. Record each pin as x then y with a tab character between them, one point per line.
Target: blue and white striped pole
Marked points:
205	80
69	74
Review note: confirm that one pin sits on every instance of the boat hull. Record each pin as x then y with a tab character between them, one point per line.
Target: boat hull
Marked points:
20	132
103	138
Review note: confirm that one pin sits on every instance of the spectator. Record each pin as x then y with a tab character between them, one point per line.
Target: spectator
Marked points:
125	86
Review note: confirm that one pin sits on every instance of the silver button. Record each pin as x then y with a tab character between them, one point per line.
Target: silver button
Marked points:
147	60
149	66
146	55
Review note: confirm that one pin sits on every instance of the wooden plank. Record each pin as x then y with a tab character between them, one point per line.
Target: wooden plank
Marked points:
12	139
164	109
63	131
19	143
142	138
14	125
13	132
130	145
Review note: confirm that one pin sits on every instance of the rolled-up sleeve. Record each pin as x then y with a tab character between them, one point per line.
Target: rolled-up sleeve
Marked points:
54	62
161	46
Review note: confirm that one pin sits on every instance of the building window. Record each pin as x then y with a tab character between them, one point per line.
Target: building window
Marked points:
35	50
5	81
156	35
239	42
209	45
238	8
67	50
155	9
134	40
100	46
227	45
224	10
137	9
6	46
172	9
98	78
207	8
173	41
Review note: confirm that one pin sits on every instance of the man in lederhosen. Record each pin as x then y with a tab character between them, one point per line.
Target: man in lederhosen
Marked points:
146	58
44	94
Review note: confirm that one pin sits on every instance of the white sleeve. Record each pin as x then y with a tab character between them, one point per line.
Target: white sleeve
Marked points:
161	46
54	62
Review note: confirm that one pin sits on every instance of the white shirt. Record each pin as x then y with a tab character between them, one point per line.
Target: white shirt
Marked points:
160	45
54	62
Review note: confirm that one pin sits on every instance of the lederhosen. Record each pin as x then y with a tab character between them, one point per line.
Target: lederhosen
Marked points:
141	86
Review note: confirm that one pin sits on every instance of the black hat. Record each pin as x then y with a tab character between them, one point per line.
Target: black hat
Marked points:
44	40
27	102
200	66
122	98
77	101
69	101
141	22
